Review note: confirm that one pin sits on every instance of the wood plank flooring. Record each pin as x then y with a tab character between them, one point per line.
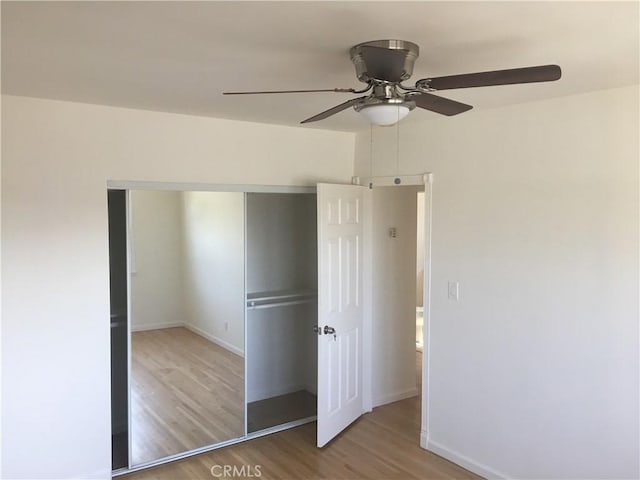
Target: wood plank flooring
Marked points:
382	445
186	392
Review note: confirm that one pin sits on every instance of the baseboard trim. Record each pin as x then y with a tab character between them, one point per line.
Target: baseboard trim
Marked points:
394	397
424	439
196	330
459	459
214	339
155	326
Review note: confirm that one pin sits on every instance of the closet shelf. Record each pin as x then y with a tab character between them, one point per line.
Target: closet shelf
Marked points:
280	298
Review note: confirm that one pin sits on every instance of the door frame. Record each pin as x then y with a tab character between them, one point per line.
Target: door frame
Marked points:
425	180
207	187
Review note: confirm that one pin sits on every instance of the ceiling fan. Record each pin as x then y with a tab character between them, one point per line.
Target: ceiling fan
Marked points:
384	64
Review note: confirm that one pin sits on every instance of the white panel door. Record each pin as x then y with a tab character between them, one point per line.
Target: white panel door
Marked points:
340	307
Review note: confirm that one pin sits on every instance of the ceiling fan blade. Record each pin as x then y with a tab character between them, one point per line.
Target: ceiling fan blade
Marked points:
341	90
440	105
542	73
384	63
333	111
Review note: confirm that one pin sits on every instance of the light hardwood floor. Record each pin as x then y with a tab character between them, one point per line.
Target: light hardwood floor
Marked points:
382	445
186	392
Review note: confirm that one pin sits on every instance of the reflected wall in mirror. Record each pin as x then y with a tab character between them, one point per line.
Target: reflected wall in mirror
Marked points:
187	321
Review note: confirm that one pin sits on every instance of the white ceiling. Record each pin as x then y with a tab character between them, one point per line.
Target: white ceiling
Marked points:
180	56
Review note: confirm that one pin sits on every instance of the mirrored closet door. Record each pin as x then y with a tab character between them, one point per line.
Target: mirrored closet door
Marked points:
187	321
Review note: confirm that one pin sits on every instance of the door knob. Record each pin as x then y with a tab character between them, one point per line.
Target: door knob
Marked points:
329	330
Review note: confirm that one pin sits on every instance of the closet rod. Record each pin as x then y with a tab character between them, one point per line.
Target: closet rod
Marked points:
279	304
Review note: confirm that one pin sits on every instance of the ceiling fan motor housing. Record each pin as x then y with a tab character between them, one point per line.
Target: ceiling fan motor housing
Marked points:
385	95
384	60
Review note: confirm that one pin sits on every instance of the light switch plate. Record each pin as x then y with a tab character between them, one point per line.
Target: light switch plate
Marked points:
454	291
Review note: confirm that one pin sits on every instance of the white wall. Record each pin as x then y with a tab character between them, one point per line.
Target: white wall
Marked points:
279	343
214	266
394	285
534	372
157	297
56	160
281	242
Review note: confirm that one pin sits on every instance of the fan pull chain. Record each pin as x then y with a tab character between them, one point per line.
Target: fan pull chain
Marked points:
370	156
398	144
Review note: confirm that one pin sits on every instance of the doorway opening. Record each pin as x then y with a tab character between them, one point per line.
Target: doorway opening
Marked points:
400	276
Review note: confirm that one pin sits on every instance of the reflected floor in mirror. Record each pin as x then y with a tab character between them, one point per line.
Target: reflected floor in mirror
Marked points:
186	393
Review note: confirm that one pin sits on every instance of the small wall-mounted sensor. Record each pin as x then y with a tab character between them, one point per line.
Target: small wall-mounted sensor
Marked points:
392	232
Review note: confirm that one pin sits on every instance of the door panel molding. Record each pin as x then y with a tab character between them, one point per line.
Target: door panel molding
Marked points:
340	307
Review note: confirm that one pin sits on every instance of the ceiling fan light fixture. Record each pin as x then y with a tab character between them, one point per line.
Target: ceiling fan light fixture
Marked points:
384	114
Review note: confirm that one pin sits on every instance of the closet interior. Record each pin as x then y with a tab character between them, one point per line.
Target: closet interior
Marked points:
214	342
281	308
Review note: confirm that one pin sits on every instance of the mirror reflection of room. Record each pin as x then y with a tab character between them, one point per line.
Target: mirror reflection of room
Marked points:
187	321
